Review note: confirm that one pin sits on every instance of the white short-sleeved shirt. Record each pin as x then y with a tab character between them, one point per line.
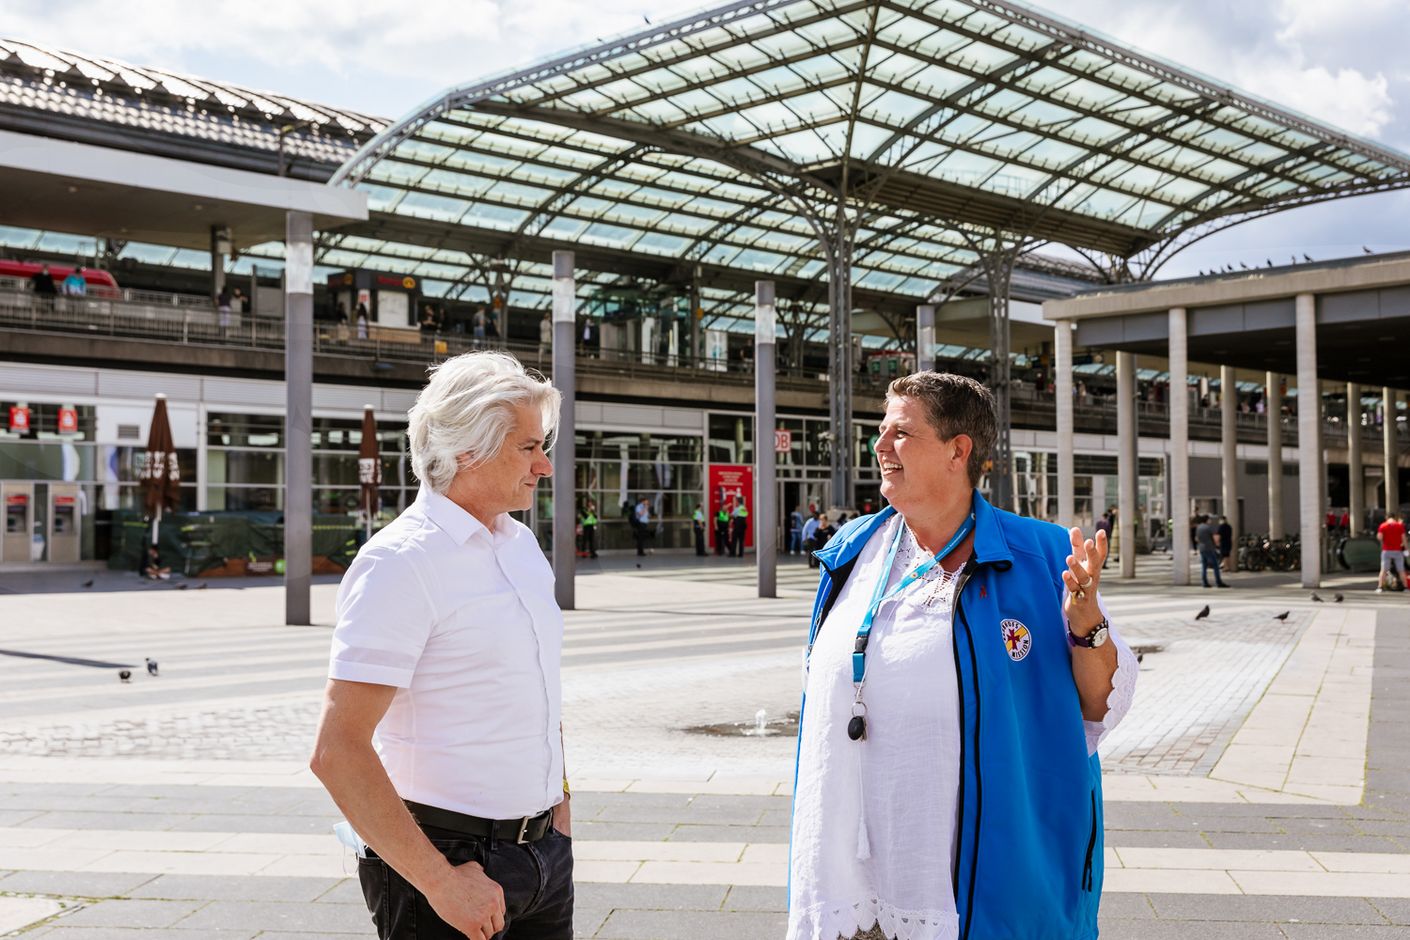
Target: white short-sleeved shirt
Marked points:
462	621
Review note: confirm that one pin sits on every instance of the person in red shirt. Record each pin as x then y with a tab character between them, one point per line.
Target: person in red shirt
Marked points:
1391	535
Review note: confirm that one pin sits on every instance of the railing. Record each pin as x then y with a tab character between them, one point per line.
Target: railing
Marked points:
190	319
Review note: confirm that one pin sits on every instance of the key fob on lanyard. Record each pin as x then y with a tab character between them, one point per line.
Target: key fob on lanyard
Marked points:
857	728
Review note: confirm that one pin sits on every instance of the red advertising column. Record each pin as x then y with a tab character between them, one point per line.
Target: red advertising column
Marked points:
731	484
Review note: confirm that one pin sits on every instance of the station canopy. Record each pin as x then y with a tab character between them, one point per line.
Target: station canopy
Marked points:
743	139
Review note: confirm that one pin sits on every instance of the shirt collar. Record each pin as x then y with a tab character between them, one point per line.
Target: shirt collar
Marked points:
454	521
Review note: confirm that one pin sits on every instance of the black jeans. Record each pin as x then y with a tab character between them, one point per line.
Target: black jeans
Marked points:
537	879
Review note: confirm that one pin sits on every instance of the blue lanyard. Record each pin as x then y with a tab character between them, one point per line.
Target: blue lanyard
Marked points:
859	651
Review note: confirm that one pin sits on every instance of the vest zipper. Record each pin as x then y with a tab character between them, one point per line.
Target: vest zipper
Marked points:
969	568
1091	847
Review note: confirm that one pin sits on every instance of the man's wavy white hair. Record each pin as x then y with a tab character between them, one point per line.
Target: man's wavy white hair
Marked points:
463	415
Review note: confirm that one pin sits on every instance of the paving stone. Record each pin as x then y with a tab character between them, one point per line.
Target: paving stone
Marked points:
648	897
596	831
280	823
691	832
1331	932
1117	838
74	884
1126	907
661	925
1395	910
757	898
347	891
266	915
588	920
222	888
1155	930
1303	842
64	931
1196	907
143	821
134	914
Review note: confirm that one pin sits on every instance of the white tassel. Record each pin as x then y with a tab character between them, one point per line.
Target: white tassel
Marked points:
863	840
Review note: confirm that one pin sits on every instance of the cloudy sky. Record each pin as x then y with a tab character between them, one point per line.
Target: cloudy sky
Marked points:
1342	63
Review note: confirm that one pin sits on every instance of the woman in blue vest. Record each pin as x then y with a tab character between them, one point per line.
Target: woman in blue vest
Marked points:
961	671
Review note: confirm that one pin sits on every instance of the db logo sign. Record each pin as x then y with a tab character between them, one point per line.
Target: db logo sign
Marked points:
783	441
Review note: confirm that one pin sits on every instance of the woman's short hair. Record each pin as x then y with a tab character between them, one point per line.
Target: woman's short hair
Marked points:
467	409
954	405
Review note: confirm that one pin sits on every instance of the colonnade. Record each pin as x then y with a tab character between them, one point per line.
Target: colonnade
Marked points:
1312	478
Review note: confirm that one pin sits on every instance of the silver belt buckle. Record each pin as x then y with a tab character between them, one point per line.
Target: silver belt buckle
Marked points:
524	830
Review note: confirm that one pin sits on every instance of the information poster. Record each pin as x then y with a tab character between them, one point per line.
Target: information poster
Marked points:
730	485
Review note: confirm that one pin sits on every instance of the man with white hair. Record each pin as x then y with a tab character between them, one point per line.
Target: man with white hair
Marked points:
441	737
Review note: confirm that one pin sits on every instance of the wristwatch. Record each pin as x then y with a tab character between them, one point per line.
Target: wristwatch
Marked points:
1092	640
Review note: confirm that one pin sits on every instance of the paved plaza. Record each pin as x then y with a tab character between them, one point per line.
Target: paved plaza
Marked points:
1260	787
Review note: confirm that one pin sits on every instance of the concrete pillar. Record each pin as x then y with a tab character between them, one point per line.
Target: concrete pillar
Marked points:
1066	428
1126	466
765	491
1309	441
1273	410
1356	495
839	299
925	338
565	496
220	250
1392	451
1179	447
298	417
1229	439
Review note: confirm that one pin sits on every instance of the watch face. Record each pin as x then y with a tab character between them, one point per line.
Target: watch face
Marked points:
1098	636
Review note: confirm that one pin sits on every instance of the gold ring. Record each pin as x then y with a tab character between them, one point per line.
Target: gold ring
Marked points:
1081	594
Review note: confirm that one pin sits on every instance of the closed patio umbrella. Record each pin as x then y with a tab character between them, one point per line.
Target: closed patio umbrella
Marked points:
160	475
369	469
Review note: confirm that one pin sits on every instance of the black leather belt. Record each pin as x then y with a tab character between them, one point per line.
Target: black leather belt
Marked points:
524	829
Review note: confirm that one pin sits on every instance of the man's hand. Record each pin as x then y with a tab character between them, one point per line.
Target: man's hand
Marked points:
468	900
563	817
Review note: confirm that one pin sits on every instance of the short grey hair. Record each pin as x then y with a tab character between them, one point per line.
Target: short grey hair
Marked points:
467	410
954	405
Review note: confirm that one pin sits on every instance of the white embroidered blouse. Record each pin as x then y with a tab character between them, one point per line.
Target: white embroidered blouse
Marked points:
874	822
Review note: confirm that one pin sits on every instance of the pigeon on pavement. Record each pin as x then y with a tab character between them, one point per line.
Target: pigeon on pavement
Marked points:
151	666
201	586
182	587
1283	616
1204	612
88	583
1316	598
1339	598
125	675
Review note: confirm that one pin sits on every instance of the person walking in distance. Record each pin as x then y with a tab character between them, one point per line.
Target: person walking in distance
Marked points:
1104	525
1207	540
1391	535
1226	544
795	530
589	524
441	734
697	525
739	525
642	527
722	528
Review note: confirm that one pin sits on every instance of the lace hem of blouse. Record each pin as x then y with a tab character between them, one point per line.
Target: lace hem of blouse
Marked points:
831	921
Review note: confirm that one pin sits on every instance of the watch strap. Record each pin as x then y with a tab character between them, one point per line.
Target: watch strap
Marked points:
1091	639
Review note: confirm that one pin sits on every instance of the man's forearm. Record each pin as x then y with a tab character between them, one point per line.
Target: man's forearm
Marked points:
358	783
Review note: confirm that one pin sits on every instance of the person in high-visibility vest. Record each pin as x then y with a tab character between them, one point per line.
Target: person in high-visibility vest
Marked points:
588	521
738	525
721	530
697	521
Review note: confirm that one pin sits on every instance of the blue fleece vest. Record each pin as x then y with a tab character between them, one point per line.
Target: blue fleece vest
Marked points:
1029	855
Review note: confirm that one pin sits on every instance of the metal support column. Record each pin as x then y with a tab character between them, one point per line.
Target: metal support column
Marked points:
1179	448
1066	426
1127	466
999	268
565	497
766	509
925	338
1309	441
298	417
1229	439
839	297
1356	471
1391	446
1273	411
